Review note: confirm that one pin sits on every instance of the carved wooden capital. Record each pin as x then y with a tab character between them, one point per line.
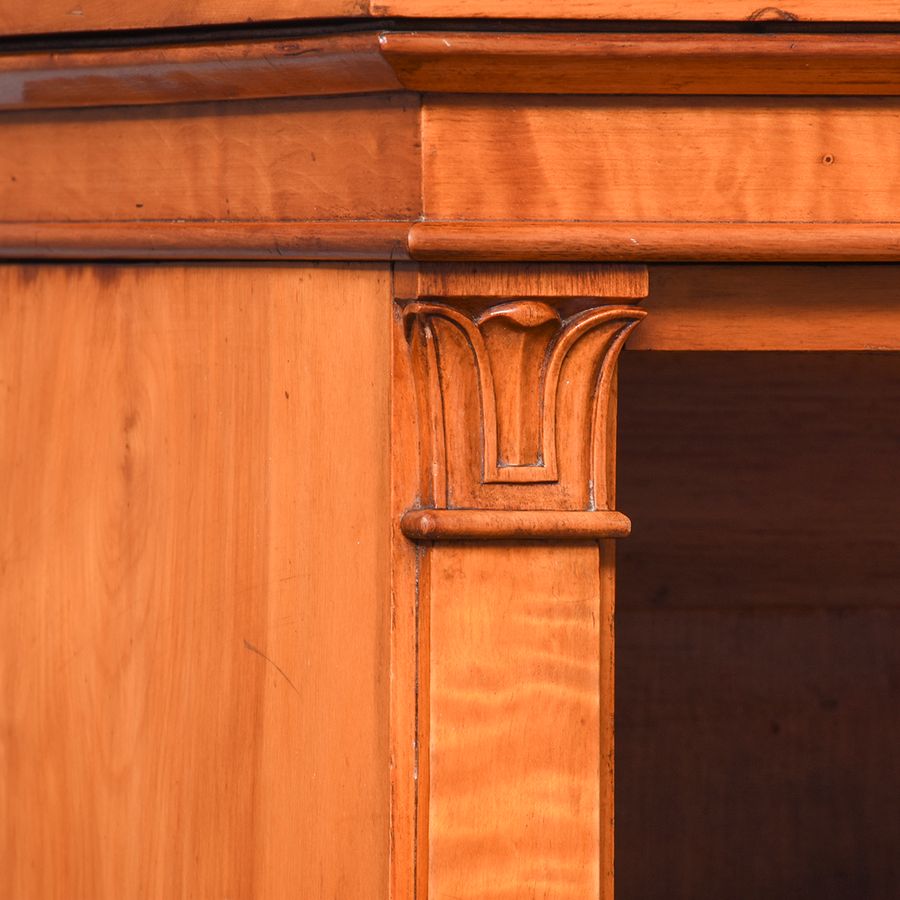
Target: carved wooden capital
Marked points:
513	405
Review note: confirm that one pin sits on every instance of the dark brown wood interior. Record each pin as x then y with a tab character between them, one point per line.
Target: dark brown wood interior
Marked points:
758	627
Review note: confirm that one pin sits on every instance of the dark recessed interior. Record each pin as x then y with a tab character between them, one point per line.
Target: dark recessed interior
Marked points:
758	627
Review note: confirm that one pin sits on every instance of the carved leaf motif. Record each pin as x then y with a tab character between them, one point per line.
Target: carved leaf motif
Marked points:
532	370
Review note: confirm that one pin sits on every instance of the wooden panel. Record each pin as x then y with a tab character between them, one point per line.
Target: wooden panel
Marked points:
700	10
758	626
194	585
659	159
775	472
21	17
591	63
772	308
349	158
188	73
768	740
517	701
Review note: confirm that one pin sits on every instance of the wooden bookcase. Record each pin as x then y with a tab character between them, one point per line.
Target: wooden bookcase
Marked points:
322	339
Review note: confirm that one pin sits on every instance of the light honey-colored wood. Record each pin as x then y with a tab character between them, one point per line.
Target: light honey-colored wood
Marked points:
511	524
269	160
479	281
306	573
661	159
515	706
512	401
194	582
21	17
694	10
506	611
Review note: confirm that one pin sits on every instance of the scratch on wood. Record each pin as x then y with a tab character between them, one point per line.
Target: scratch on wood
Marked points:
281	671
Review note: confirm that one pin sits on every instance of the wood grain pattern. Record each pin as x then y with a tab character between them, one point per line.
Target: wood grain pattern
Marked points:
771	308
514	722
656	241
335	240
757	686
319	159
477	281
194	585
591	63
696	10
20	17
335	62
512	524
496	392
190	73
511	641
661	159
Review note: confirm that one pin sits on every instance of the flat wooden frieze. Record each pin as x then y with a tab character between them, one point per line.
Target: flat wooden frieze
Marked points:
515	428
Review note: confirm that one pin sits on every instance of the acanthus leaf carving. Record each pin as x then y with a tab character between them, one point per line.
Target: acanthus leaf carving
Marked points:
513	403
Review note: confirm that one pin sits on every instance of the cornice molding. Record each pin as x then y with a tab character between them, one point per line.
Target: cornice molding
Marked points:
664	64
512	62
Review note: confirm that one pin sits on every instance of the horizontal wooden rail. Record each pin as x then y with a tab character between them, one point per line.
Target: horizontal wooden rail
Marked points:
501	525
657	242
456	241
204	240
737	64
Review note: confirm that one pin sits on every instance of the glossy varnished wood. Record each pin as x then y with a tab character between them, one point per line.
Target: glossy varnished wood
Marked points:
509	525
337	61
21	17
505	613
193	72
515	705
479	281
661	159
694	10
194	584
221	240
590	63
350	158
656	241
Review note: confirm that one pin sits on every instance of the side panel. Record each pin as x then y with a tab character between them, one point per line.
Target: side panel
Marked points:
194	582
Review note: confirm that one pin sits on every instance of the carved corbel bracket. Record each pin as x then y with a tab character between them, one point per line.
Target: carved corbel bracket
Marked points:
514	401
